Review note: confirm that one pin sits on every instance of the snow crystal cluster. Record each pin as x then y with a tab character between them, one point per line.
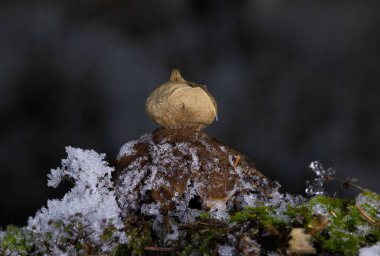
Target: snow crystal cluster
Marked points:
278	201
316	186
370	251
225	250
86	212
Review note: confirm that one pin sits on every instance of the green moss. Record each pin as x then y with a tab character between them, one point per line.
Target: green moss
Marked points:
351	224
139	234
332	202
203	236
264	215
339	227
342	242
17	240
348	228
108	233
374	236
369	202
205	241
333	206
371	195
300	216
208	238
187	251
205	215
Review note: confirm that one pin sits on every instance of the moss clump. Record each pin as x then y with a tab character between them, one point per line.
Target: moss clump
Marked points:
352	223
300	215
338	226
264	215
203	236
341	242
139	234
18	240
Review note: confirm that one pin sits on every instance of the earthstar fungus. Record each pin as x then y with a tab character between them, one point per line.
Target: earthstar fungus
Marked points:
178	171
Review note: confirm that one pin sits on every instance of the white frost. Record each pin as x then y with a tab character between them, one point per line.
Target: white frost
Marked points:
225	250
127	149
218	210
373	250
90	205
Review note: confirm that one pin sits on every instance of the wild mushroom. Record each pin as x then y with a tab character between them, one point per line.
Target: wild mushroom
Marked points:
180	171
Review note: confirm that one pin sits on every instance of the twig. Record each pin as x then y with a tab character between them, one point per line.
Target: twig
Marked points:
346	184
366	216
236	162
161	249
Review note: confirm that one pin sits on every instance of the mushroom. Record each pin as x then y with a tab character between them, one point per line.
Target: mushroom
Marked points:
179	170
178	104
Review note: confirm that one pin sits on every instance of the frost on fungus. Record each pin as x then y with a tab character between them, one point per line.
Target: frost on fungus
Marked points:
173	176
86	214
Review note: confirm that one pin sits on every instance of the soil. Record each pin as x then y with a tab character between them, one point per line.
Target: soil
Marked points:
221	173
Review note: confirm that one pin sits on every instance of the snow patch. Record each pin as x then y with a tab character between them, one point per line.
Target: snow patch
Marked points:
226	250
373	250
89	207
127	149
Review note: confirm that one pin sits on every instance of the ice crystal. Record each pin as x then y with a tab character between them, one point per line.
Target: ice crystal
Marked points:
173	236
278	201
226	250
370	251
316	186
363	230
87	210
127	149
182	211
219	210
321	210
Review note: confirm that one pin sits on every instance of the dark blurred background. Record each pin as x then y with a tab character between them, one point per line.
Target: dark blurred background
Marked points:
295	81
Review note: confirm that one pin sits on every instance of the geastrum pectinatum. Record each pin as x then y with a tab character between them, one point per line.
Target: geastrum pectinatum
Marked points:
178	171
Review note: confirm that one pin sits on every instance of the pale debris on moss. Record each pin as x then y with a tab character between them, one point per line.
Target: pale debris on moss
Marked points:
300	242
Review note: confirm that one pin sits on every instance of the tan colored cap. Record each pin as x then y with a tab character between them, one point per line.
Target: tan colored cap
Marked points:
178	104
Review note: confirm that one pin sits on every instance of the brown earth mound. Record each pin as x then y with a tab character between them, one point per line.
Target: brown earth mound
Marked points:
180	169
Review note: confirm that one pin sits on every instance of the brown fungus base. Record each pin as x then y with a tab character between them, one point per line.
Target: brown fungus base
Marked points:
176	165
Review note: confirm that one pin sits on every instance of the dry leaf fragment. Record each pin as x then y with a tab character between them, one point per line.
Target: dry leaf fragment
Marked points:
300	242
